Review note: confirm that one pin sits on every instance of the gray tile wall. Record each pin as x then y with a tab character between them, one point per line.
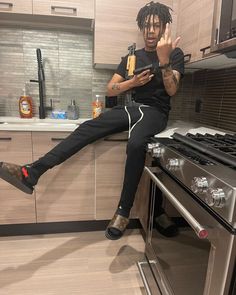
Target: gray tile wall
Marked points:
67	59
214	91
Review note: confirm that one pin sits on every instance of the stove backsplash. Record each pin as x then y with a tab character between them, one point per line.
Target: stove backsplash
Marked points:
208	97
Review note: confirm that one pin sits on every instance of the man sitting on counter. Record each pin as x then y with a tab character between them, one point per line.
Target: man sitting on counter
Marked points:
146	115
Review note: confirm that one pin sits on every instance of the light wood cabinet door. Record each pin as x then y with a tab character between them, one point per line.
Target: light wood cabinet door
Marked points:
194	26
66	8
16	206
116	29
110	164
110	155
66	192
16	6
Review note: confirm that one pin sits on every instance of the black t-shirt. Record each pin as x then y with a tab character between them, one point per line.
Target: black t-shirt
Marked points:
153	93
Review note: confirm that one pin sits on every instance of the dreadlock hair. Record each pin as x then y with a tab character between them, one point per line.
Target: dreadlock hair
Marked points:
151	9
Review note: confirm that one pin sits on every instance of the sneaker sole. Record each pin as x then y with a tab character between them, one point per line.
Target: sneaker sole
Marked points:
15	182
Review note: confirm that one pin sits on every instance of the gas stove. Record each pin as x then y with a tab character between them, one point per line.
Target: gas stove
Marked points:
205	165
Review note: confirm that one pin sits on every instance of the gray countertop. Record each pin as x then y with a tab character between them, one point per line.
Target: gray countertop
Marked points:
36	124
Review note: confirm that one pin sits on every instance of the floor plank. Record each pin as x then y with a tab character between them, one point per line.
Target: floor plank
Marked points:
73	263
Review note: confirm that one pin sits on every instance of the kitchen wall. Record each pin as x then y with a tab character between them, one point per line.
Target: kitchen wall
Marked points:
67	59
208	97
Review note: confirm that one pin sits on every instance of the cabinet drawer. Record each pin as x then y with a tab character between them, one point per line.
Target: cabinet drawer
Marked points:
68	8
16	206
16	6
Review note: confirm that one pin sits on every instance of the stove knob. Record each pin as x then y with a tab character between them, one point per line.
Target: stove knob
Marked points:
154	149
151	145
156	152
215	198
172	163
199	184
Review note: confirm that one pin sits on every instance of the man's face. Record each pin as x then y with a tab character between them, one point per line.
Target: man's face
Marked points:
152	32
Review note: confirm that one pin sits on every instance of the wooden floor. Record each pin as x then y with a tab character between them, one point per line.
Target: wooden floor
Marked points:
73	263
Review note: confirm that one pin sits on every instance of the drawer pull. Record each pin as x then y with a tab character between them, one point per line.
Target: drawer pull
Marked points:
6	6
57	139
187	57
63	10
5	138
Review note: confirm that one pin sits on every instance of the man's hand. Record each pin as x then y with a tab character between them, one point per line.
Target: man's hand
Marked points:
141	79
165	46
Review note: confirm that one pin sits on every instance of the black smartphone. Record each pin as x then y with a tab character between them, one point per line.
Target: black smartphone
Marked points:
140	70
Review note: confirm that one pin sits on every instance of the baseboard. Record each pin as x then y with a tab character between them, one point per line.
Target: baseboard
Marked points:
59	227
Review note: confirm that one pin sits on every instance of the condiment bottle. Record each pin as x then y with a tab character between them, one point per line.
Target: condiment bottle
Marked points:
25	106
97	107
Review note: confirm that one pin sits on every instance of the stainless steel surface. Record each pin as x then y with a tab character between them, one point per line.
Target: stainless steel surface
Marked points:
219	23
217	176
147	278
185	264
200	231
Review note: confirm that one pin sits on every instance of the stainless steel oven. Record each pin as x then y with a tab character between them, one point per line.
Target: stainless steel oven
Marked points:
200	258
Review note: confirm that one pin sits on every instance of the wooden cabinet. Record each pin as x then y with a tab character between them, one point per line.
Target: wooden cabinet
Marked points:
194	26
110	155
116	29
66	8
16	206
110	164
66	192
16	6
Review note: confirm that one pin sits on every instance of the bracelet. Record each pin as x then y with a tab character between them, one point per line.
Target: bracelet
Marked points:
165	66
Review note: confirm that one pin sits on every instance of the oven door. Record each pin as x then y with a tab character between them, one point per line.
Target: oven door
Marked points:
196	260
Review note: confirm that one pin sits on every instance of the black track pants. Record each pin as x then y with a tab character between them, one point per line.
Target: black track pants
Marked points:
113	121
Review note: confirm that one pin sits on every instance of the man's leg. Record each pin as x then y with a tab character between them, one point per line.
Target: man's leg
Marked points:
27	176
152	123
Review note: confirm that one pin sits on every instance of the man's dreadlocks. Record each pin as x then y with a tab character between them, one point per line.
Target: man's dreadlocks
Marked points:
151	9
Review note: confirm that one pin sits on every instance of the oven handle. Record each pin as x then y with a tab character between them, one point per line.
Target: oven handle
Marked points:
201	232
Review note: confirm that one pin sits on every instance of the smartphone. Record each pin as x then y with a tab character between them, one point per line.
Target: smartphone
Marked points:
140	70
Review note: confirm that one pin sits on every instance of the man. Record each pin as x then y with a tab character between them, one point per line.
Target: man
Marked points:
146	117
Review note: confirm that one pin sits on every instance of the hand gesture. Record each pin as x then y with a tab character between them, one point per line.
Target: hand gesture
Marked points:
165	46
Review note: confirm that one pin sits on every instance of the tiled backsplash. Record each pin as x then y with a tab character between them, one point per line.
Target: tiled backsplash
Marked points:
208	97
67	59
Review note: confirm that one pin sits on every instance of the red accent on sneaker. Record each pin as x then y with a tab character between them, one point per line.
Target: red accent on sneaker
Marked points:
25	172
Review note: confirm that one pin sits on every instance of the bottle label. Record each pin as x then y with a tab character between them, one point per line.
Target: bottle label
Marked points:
96	111
25	107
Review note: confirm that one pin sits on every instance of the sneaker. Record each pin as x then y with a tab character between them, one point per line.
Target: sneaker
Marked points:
17	176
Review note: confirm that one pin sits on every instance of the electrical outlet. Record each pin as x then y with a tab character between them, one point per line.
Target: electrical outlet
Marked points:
198	105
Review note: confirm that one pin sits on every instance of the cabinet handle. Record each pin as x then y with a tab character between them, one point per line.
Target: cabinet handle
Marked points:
64	10
57	139
204	50
187	57
5	138
7	6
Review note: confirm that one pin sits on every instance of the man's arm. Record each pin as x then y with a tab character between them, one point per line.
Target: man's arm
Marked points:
119	85
164	48
171	80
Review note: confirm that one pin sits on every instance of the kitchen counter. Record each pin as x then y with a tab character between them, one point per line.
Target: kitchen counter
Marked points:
36	124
